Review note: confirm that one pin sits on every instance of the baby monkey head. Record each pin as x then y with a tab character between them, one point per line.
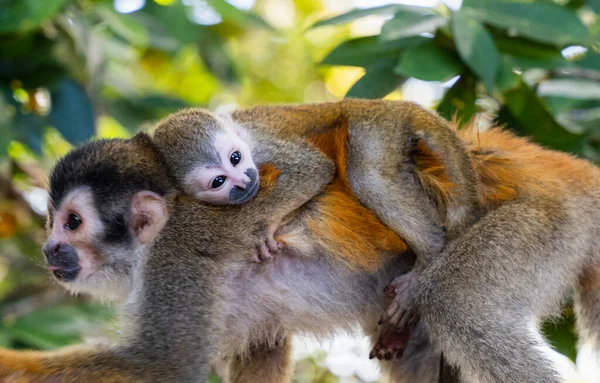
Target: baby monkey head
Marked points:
106	206
210	156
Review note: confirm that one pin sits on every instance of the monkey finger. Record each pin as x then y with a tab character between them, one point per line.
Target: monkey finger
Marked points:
408	320
389	291
402	321
389	313
384	318
263	253
272	245
373	353
396	318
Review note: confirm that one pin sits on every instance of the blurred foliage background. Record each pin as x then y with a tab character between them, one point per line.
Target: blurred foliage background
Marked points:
71	70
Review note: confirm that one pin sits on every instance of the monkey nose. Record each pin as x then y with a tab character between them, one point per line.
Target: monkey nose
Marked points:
241	183
50	249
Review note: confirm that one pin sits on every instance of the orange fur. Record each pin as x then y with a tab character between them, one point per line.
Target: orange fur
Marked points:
353	231
268	176
508	166
433	177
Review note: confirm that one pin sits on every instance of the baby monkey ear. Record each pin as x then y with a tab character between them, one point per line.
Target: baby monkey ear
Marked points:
148	215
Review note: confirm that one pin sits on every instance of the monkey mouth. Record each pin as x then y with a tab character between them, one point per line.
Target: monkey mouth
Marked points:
65	274
250	193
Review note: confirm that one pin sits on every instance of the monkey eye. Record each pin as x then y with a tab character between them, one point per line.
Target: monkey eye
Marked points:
235	158
73	222
217	182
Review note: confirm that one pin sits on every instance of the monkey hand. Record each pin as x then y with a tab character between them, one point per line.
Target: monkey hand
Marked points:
267	249
391	343
401	313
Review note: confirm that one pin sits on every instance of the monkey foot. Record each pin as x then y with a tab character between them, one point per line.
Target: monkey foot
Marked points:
390	344
401	313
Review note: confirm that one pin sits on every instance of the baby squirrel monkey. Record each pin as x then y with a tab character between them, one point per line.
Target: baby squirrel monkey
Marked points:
214	159
211	158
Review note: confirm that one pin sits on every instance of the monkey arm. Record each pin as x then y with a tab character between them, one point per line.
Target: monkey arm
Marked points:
303	170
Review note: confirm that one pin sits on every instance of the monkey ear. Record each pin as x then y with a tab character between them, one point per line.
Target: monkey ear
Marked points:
148	215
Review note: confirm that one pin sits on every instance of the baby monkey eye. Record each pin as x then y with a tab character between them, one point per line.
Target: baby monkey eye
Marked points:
73	222
235	158
218	181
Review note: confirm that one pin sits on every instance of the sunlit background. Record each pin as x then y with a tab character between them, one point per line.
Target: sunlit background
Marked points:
73	70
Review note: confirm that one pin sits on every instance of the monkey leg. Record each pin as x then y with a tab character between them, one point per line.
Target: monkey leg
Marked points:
587	310
263	363
383	178
481	299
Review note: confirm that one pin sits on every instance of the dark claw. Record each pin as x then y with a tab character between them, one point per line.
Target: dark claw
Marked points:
389	291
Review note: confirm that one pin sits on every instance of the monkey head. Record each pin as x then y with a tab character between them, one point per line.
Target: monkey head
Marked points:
106	207
210	156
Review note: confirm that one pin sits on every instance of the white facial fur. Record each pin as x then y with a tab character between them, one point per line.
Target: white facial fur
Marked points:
199	181
80	202
105	270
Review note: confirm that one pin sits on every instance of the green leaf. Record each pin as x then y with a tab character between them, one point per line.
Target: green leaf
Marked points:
476	47
459	100
570	87
237	16
55	326
28	129
123	26
357	14
379	81
174	18
365	51
542	21
33	63
131	113
407	23
526	54
594	4
428	62
536	121
25	15
216	57
507	78
590	61
25	128
72	112
561	334
6	131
